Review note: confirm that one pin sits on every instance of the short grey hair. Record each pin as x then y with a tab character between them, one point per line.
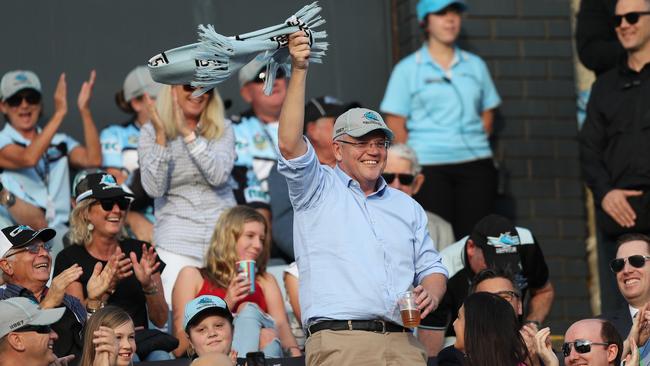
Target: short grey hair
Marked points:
404	151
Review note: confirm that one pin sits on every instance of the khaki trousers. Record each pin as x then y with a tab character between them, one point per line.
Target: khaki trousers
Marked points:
357	347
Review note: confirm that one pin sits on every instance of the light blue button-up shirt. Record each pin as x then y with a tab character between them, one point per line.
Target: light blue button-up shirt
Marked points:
442	107
355	253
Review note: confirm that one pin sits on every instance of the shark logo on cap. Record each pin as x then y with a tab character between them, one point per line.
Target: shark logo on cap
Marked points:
504	243
371	116
19	230
108	181
21	78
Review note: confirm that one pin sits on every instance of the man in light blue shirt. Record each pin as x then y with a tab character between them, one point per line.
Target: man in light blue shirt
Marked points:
358	242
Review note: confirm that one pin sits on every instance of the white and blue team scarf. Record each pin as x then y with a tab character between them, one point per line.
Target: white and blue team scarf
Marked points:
215	58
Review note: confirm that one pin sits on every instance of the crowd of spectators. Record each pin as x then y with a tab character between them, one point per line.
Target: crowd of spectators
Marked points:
146	255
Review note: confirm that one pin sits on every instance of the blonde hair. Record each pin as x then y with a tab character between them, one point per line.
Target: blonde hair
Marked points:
222	253
109	316
211	121
80	233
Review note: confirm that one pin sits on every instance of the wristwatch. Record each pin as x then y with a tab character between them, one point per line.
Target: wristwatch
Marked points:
7	198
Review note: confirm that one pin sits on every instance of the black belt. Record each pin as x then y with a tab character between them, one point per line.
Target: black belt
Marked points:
378	326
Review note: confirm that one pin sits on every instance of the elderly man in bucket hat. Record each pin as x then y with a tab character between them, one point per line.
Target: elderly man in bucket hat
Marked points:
358	242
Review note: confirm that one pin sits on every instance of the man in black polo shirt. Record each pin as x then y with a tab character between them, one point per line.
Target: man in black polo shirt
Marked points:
614	148
496	243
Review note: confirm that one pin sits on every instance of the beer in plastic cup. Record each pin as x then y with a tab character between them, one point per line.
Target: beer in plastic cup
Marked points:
409	309
247	267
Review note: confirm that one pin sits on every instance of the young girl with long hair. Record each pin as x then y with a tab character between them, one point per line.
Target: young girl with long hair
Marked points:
240	234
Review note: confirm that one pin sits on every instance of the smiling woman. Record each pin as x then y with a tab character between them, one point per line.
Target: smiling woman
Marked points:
96	228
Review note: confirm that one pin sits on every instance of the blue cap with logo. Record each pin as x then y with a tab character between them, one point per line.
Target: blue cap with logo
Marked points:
425	7
204	304
357	122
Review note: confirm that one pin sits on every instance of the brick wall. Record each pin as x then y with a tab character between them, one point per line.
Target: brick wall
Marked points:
527	45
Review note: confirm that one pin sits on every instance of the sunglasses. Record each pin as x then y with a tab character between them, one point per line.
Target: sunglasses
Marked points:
261	77
636	261
190	89
630	18
507	295
108	203
40	329
32	248
404	179
30	96
580	345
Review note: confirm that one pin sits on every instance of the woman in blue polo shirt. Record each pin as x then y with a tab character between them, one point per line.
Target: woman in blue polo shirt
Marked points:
440	100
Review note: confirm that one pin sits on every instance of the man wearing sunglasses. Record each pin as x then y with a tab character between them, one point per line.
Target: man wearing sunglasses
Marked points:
614	153
26	264
631	267
256	135
26	337
35	160
403	172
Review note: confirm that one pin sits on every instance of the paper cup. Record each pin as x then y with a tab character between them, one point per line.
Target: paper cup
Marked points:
247	267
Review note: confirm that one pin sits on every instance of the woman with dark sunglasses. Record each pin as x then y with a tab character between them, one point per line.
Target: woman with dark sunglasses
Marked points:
186	156
35	159
98	238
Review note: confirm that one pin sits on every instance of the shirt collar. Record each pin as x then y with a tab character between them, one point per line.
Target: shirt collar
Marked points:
348	181
15	135
425	57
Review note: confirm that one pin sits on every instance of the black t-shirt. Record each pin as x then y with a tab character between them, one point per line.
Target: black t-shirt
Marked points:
128	293
534	274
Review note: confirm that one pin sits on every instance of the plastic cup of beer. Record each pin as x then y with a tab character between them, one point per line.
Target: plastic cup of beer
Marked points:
247	268
409	309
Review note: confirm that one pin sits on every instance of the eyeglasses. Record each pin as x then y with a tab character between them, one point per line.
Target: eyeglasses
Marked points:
32	248
404	179
507	295
40	329
631	17
636	261
30	96
580	345
108	203
261	77
190	89
363	145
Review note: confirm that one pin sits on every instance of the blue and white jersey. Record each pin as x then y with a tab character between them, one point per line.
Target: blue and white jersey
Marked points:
442	107
120	146
256	145
46	185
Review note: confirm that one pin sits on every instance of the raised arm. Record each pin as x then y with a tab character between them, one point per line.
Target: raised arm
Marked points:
90	155
292	117
14	156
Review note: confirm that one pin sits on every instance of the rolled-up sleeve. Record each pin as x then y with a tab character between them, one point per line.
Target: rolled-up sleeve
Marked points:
427	259
154	163
304	177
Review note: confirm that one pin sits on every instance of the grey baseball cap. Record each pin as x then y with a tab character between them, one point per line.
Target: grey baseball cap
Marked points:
138	82
357	122
17	80
18	312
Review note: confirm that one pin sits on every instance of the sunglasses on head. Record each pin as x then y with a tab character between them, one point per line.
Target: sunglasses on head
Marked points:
636	261
261	77
580	345
30	96
108	203
631	17
32	248
190	89
40	329
404	179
